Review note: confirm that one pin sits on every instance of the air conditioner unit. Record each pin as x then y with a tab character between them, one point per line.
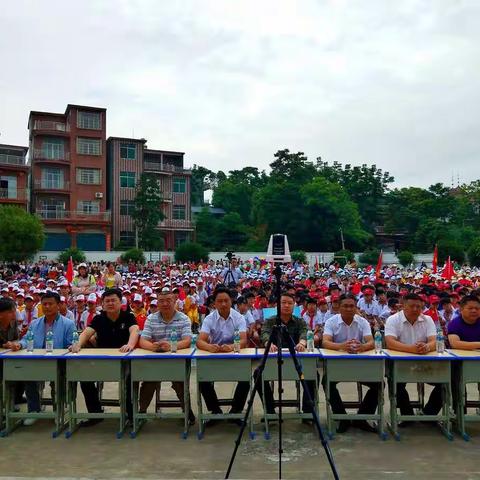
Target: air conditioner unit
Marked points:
98	195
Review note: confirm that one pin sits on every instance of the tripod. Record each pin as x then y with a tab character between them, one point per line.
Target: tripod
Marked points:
280	332
229	278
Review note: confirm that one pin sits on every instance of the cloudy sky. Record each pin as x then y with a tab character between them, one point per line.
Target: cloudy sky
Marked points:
394	83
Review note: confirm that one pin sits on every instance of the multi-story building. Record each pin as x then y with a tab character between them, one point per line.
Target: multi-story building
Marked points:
68	177
14	172
127	159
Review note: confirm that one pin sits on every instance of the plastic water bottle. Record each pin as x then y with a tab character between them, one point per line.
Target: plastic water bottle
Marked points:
173	340
29	339
310	341
378	341
75	338
440	342
194	341
236	341
49	342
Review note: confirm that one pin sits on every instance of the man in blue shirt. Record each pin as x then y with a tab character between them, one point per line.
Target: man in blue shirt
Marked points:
62	329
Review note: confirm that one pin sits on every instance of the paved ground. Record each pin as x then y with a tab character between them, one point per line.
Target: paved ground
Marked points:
159	452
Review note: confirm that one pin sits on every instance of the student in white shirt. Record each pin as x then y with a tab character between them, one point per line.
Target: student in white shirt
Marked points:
413	332
350	333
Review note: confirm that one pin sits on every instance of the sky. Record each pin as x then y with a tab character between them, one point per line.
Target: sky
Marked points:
391	83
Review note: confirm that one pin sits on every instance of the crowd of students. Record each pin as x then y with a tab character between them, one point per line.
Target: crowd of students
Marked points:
128	306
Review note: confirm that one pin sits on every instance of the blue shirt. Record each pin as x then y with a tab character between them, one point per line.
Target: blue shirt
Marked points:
221	331
63	329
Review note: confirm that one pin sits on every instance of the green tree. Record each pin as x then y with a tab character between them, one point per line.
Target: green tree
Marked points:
405	258
369	256
291	167
231	232
202	179
148	213
21	234
77	255
206	227
450	248
133	255
191	252
474	253
298	256
344	256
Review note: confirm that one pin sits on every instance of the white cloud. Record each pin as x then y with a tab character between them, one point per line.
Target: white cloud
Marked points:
229	83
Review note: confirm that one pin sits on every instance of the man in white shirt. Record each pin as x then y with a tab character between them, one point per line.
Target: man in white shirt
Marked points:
413	332
350	333
216	336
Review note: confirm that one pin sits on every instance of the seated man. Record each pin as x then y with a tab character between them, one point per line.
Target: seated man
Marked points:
351	333
464	330
114	328
413	332
156	337
216	336
62	329
297	329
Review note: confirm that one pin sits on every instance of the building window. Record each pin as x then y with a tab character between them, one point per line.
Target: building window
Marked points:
179	185
128	151
89	146
178	212
181	237
52	178
127	179
89	176
53	149
8	186
88	206
89	120
127	207
127	238
51	208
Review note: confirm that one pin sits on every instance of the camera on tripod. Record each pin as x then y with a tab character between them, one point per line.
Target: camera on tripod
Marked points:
230	255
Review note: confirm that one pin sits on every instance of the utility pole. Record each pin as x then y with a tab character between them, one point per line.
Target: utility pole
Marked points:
341	236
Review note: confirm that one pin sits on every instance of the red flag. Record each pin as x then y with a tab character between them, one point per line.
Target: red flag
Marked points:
435	260
379	264
448	272
69	274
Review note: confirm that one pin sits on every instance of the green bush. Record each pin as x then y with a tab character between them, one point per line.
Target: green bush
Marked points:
370	256
343	257
474	253
452	249
298	256
134	254
405	258
78	256
191	252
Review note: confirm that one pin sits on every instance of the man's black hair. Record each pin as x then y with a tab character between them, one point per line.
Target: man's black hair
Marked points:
51	294
112	291
7	304
219	290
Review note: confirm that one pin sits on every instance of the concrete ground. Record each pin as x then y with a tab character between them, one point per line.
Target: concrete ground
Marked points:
159	452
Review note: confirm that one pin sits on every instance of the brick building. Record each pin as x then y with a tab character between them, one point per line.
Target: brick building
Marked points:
14	176
68	177
127	159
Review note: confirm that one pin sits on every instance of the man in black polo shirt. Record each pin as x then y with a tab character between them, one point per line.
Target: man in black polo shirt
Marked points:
114	328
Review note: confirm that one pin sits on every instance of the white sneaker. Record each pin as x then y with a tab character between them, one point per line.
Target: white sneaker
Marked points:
29	421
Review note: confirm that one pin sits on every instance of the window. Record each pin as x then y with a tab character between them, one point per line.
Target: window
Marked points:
8	186
178	212
127	207
89	146
127	179
127	238
52	178
89	176
128	151
53	149
51	208
181	237
88	206
89	120
179	185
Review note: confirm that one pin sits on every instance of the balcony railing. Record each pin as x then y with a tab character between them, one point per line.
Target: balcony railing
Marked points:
13	194
49	185
164	167
12	159
74	215
170	223
40	154
50	126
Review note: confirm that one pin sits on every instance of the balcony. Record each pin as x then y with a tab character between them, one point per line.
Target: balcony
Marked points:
73	216
49	185
12	160
13	195
170	224
59	157
164	168
51	126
